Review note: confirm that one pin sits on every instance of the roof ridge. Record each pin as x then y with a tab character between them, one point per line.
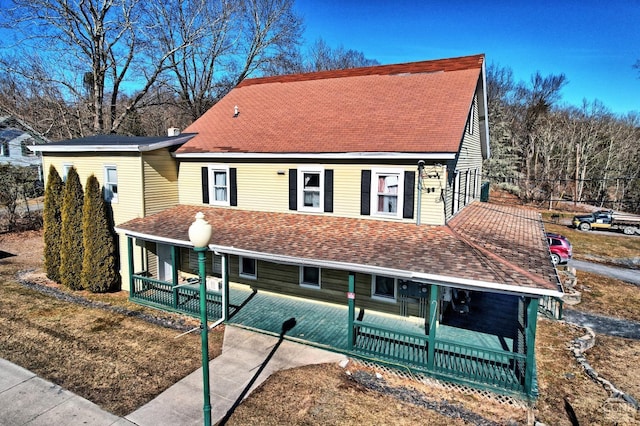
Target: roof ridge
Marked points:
438	65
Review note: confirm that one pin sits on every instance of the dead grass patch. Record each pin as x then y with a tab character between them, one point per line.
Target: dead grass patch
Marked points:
117	361
607	296
324	394
560	377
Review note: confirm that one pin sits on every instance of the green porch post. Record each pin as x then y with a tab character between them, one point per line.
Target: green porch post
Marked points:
174	265
433	324
225	287
532	317
130	260
351	297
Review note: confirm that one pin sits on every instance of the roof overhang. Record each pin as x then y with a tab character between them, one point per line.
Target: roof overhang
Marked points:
112	147
442	280
321	155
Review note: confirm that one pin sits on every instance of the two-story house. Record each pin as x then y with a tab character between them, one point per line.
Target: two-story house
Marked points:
347	200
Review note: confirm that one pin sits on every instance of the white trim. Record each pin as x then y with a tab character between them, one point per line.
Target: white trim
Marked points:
307	284
456	193
310	169
243	274
374	192
384	298
467	185
365	269
322	156
211	169
175	140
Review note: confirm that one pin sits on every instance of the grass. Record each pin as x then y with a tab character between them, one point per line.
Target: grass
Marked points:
118	361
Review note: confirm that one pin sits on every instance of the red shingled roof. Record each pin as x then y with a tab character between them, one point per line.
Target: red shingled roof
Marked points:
485	242
415	108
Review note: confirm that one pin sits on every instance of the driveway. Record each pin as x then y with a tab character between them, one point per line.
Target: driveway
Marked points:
631	276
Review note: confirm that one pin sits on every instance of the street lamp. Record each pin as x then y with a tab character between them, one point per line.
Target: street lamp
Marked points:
199	235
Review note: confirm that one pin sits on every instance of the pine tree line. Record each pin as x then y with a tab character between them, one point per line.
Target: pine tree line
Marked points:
80	248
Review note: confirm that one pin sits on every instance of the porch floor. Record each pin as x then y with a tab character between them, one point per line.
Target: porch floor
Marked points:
325	324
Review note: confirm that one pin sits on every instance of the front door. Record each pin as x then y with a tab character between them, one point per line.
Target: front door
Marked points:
165	264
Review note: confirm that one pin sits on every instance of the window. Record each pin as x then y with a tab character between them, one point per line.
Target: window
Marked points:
4	148
311	193
387	192
216	264
383	288
248	268
310	276
110	184
219	189
65	171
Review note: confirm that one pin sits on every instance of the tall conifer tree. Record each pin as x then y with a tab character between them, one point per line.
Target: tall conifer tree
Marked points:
52	224
71	250
98	266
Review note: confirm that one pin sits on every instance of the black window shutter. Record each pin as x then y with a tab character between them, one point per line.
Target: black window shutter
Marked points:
293	189
233	196
205	185
328	191
409	190
365	193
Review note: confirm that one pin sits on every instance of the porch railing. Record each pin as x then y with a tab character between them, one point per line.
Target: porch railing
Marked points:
467	363
183	298
551	306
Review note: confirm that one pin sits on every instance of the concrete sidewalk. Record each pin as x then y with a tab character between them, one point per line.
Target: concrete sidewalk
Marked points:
26	399
247	359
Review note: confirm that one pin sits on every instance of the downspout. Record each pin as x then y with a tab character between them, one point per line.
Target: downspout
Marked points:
420	168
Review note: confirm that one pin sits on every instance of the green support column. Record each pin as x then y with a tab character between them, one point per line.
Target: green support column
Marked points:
174	274
532	318
225	287
130	260
351	297
434	306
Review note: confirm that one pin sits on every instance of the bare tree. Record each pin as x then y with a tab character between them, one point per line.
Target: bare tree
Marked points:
90	50
320	57
225	41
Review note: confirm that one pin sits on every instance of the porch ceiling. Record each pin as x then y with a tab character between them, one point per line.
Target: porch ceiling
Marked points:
485	245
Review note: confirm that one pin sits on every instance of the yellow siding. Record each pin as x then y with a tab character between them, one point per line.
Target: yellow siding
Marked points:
262	188
129	205
160	181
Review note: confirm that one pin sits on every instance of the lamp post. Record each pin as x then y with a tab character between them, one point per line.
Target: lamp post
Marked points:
199	235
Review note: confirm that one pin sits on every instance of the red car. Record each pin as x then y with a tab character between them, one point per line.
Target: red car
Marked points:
560	248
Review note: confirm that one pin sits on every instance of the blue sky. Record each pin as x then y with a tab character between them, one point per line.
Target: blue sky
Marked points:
594	43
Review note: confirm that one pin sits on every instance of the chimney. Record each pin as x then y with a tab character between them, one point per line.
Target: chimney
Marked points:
173	131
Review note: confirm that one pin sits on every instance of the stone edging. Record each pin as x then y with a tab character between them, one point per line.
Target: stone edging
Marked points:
582	344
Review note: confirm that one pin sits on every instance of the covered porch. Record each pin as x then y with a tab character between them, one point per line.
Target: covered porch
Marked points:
490	346
474	348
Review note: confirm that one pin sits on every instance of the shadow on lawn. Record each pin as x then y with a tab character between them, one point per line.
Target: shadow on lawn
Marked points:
286	327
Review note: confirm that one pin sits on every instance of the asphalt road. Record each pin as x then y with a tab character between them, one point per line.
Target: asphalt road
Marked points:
631	276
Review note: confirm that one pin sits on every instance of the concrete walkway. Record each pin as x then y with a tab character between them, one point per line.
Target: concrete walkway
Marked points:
26	399
247	359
